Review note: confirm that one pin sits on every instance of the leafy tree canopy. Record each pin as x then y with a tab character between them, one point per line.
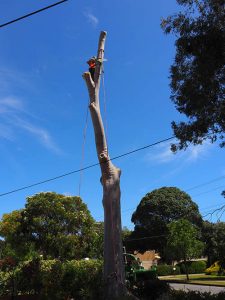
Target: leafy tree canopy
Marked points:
98	240
155	211
198	72
213	235
52	225
183	242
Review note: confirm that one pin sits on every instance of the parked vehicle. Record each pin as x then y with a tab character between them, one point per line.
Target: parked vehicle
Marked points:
215	268
134	271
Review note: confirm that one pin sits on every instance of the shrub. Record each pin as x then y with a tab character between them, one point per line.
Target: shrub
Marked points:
151	289
5	283
51	274
83	279
28	277
165	270
194	267
53	279
197	267
145	275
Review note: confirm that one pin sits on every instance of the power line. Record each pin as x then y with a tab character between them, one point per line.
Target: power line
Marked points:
145	238
206	183
220	209
210	208
85	168
32	13
207	209
209	191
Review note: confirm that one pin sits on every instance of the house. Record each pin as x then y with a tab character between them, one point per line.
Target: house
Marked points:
148	258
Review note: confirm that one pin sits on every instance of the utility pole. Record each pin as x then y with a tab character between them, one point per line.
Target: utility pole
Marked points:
114	273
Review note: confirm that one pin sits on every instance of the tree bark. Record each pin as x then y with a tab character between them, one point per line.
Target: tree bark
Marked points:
114	273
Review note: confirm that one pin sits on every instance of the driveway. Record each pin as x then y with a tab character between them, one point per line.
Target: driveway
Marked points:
199	288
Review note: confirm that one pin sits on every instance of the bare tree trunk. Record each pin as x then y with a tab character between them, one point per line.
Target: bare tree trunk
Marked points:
114	274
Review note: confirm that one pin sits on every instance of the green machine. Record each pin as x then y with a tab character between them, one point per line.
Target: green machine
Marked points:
135	272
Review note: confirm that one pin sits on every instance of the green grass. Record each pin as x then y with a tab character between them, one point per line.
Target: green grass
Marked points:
196	279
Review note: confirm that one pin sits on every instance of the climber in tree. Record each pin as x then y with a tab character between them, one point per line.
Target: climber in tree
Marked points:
92	64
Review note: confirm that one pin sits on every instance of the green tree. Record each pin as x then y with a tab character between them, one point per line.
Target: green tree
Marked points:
183	243
198	72
213	235
155	211
52	225
98	240
220	240
210	241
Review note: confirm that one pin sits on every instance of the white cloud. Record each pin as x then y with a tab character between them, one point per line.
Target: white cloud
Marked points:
10	104
197	151
11	78
162	154
14	116
93	20
41	134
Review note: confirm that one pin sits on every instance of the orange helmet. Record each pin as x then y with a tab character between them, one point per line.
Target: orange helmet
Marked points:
92	62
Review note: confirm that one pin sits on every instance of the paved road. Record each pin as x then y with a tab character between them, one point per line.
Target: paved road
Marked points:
200	288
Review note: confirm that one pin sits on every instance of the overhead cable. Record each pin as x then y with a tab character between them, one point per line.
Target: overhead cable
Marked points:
85	168
206	183
32	13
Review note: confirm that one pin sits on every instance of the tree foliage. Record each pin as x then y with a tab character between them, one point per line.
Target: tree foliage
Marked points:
155	211
54	279
52	225
213	235
198	72
183	243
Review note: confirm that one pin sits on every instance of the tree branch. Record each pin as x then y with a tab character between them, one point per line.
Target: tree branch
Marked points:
93	90
100	57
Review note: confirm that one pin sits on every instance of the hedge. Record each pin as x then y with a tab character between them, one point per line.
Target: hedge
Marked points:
194	267
53	279
165	270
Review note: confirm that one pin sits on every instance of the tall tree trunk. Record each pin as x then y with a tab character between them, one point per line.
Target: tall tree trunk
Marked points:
114	274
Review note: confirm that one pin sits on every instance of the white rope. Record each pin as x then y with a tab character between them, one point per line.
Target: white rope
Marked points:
105	110
83	151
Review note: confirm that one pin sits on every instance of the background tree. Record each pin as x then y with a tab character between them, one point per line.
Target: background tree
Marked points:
213	235
210	241
155	211
52	225
183	242
198	72
98	241
2	246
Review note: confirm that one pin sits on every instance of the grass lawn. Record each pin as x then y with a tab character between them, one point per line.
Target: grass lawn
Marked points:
196	279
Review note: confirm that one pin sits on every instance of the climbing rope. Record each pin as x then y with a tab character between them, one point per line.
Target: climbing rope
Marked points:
85	132
105	110
83	150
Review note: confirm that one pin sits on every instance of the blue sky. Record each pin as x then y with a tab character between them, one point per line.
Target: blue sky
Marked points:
43	104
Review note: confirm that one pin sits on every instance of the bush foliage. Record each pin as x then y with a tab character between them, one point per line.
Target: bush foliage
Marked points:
165	270
151	289
194	267
53	279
